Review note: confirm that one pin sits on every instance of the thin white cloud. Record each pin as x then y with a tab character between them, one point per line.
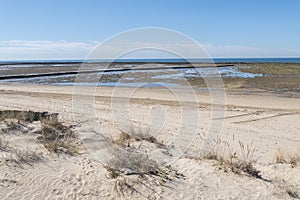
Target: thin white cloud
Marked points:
44	50
56	50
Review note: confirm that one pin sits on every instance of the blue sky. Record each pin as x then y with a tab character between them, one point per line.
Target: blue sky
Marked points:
227	28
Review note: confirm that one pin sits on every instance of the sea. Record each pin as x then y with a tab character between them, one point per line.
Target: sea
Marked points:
166	60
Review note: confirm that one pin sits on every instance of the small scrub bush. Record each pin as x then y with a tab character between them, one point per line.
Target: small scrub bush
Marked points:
58	138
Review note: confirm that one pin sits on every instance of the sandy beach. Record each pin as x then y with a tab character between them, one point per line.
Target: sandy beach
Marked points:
261	131
154	100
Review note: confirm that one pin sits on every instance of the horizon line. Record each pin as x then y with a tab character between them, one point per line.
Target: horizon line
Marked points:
152	58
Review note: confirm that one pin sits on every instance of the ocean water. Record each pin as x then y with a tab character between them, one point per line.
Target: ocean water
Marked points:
166	60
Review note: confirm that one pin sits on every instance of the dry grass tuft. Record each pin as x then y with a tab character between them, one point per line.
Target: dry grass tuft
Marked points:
242	162
140	134
292	192
247	159
219	152
292	158
280	156
136	134
123	138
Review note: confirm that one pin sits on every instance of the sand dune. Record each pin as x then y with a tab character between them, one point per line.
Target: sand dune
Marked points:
265	123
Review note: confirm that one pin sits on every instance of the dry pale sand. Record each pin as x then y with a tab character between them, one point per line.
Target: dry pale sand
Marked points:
267	121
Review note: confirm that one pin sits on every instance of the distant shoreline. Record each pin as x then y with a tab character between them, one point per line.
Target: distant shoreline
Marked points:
159	61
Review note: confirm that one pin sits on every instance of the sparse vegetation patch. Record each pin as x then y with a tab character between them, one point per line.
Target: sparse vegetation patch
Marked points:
58	138
242	162
130	166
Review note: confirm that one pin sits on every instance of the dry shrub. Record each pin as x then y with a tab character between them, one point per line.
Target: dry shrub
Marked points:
130	162
128	168
128	184
58	138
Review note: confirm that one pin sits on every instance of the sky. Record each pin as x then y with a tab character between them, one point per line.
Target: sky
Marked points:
70	29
